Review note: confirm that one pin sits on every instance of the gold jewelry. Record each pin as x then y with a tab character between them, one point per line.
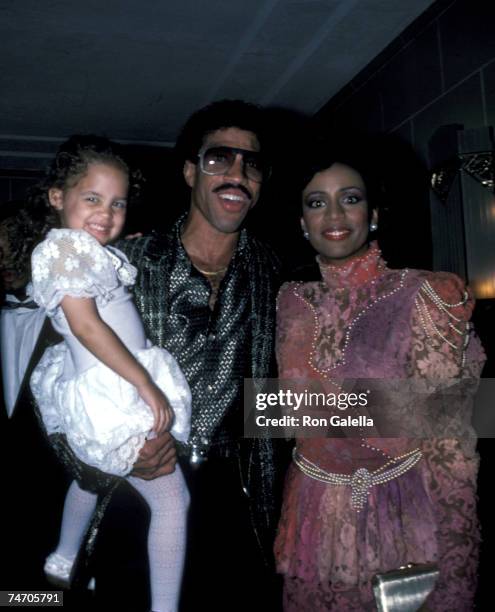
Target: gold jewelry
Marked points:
206	273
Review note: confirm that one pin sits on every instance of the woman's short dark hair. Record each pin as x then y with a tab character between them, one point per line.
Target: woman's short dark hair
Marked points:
219	115
322	154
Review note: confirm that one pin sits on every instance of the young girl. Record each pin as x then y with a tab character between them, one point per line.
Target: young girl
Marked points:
105	387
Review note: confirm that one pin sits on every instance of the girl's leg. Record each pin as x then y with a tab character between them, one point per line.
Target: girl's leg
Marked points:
78	510
168	499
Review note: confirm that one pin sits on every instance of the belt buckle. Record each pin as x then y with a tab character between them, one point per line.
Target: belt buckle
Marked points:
198	456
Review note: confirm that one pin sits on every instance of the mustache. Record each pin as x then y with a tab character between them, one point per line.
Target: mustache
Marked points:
242	188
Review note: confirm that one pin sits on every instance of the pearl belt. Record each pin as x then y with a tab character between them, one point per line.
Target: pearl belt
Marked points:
362	479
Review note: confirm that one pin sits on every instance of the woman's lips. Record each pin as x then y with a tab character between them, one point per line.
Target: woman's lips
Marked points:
336	235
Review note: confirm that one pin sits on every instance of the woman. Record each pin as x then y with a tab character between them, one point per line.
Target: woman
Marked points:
364	320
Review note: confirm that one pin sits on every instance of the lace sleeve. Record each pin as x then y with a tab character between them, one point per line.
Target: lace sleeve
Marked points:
71	262
445	347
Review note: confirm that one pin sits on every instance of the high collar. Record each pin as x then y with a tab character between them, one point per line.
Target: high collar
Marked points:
358	271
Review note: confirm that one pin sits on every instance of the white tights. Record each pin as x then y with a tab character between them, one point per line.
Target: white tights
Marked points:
168	499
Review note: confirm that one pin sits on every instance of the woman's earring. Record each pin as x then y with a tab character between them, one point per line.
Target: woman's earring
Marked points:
306	234
373	227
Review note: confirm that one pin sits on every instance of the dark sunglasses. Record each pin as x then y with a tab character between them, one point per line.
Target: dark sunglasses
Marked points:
219	160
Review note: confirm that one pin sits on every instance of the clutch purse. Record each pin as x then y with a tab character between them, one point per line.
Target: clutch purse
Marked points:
404	589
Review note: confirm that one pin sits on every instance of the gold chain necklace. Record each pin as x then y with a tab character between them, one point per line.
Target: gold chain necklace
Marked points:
206	273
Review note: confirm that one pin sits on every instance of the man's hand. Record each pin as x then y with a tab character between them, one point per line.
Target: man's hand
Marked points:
157	458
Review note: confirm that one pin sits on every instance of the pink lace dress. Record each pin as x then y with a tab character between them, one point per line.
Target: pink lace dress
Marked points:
367	321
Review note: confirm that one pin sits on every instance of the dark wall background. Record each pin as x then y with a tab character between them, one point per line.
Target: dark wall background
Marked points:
13	184
441	70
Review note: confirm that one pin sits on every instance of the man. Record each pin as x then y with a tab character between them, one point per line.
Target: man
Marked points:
206	292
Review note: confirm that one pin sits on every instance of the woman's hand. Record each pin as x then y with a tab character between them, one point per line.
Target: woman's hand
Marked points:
163	413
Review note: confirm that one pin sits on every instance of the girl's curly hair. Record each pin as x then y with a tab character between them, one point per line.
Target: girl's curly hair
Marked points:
71	164
22	226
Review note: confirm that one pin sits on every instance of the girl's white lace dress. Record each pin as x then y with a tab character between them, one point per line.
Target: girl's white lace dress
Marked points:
102	415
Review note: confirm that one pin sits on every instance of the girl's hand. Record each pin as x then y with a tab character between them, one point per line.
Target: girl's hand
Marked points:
163	413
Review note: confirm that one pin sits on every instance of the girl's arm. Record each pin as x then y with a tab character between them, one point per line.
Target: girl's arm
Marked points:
95	335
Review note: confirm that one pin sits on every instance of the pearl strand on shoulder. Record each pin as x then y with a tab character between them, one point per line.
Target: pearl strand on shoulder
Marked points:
442	304
427	322
426	319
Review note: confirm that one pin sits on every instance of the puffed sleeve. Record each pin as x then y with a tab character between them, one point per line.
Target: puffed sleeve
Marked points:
73	263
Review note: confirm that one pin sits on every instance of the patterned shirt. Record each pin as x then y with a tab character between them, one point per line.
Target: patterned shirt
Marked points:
213	347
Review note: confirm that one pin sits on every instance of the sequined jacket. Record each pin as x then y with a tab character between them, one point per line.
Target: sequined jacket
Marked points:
216	349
